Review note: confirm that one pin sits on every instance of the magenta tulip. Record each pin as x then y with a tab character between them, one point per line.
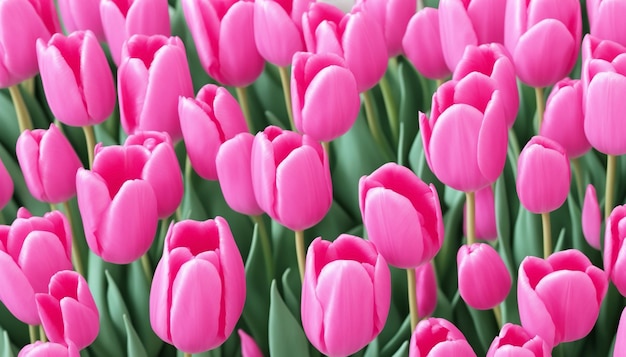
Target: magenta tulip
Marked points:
223	32
334	321
485	217
402	215
76	78
484	280
278	30
154	73
32	250
426	289
68	311
422	44
199	286
207	121
249	348
234	171
117	203
393	17
49	164
324	95
543	39
6	186
543	175
620	336
291	178
591	218
48	349
513	340
559	298
606	20
121	19
469	23
82	15
436	337
614	249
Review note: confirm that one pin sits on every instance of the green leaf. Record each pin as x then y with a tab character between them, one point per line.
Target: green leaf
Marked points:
453	220
134	347
528	236
403	350
372	349
402	334
560	241
116	304
286	337
409	90
6	349
292	299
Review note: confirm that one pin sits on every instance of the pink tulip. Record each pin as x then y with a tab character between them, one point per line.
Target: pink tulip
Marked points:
402	215
277	30
614	250
591	218
6	186
426	289
436	337
161	169
249	348
422	44
485	220
513	340
543	39
199	286
121	19
32	250
49	164
223	31
465	139
620	336
393	17
469	23
154	73
82	15
324	95
207	121
117	203
48	349
22	22
484	280
559	298
234	171
76	78
543	175
334	321
563	119
291	178
606	20
68	311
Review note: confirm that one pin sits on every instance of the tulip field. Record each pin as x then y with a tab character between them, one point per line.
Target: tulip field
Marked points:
369	178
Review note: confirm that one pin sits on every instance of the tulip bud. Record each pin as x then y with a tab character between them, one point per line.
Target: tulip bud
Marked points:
605	20
402	215
48	349
324	95
334	321
6	186
249	348
426	289
513	340
543	178
614	236
438	337
422	44
201	271
620	336
393	17
591	218
485	224
82	15
277	32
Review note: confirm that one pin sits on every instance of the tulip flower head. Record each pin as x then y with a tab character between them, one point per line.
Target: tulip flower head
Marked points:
422	44
278	29
620	336
82	15
393	17
438	337
605	20
591	217
426	289
513	340
48	349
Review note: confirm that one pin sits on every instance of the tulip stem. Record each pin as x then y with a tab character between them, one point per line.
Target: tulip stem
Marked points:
285	81
540	106
497	313
266	245
372	121
578	175
90	138
186	354
413	311
42	334
245	107
300	252
23	118
147	267
78	263
470	203
611	167
29	85
439	82
33	333
390	107
547	234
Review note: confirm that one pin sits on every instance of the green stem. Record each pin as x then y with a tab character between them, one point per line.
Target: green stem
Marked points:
186	354
540	106
285	81
374	125
578	175
147	267
266	245
33	333
439	82
547	234
300	253
413	311
90	138
42	334
611	168
470	203
390	107
29	85
497	313
78	263
23	118
245	107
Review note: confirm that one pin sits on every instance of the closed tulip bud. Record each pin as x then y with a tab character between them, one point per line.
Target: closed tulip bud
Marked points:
591	218
123	19
48	349
422	44
485	220
324	95
469	22
393	17
467	129
559	298
402	215
161	169
6	186
22	22
484	280
543	175
277	31
199	286
207	121
426	289
234	171
620	336
49	164
68	311
614	248
564	118
223	32
543	39
605	20
82	15
513	340
249	348
32	250
436	337
334	321
291	178
117	203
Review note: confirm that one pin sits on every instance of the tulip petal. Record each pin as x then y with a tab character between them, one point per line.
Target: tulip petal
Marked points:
51	317
169	186
114	25
41	256
20	299
276	35
604	113
132	93
93	200
364	49
27	149
456	30
58	164
493	139
97	80
620	336
80	323
534	314
422	44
